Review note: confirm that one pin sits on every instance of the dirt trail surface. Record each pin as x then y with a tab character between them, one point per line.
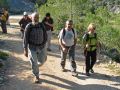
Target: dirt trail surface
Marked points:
20	76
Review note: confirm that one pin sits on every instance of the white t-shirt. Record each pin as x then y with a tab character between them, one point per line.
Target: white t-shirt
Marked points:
68	39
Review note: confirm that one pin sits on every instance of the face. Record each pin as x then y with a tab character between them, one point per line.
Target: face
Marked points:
36	18
92	30
48	17
25	16
69	25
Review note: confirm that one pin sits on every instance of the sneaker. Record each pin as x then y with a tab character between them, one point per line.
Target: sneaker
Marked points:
92	71
87	74
74	74
48	49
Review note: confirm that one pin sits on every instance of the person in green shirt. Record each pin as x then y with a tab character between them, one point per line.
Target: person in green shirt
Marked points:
90	43
3	20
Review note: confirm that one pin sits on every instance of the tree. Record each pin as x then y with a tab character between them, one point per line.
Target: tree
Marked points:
4	3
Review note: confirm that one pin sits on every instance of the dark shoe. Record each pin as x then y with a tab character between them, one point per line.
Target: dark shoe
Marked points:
74	74
92	71
37	80
4	32
87	74
48	49
64	70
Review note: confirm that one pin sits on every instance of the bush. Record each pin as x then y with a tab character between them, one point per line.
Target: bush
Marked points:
3	55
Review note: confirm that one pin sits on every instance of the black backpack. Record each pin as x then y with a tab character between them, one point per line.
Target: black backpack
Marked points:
44	34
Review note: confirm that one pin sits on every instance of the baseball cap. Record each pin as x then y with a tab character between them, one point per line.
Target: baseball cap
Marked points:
25	13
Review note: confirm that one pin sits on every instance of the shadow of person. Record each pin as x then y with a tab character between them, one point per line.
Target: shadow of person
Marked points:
76	86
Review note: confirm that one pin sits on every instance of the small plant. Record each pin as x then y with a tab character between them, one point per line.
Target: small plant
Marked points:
3	55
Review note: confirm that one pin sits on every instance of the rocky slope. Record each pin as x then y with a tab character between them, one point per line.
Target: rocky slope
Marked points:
21	5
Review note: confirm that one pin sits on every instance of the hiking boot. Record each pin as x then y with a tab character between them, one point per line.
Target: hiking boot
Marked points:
87	74
92	71
74	74
48	49
37	80
64	70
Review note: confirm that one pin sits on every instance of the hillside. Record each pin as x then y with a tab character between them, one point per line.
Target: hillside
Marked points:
104	13
21	5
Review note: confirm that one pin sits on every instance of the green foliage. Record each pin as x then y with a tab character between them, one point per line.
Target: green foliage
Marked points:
84	12
110	36
3	55
4	3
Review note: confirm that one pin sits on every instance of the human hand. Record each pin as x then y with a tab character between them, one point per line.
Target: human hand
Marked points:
46	23
26	53
65	50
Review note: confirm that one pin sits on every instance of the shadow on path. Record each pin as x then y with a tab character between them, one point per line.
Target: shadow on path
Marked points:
75	86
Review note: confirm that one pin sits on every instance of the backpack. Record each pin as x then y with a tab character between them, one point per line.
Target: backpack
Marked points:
87	36
44	34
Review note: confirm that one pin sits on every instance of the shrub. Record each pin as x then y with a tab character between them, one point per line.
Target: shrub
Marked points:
3	55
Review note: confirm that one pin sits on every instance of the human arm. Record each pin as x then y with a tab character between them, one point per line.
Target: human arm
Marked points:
51	25
62	45
25	40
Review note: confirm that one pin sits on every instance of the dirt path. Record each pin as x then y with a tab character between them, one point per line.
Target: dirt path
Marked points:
21	78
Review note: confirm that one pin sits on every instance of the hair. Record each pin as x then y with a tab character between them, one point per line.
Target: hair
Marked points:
47	14
91	26
34	14
69	21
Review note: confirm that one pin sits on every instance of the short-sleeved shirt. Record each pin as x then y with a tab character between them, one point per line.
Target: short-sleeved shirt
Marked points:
23	22
50	21
68	39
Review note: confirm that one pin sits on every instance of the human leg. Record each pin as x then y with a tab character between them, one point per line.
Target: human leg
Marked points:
63	59
49	34
72	60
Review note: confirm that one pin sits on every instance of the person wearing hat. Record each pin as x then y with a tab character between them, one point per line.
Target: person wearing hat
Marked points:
23	22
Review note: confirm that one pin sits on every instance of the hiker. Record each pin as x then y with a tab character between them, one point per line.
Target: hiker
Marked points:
34	42
6	13
23	22
48	21
67	40
3	20
90	43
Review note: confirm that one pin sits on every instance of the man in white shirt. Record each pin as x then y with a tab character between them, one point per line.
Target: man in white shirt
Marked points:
67	41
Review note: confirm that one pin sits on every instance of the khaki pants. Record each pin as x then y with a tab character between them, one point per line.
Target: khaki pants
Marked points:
49	34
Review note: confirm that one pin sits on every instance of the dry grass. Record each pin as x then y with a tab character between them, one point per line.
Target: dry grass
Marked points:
115	68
